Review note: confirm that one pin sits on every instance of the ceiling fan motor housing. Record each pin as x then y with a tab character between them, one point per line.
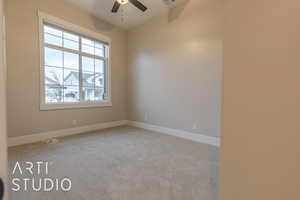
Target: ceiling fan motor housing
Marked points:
136	3
122	2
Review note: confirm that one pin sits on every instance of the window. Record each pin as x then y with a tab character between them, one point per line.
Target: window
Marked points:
74	66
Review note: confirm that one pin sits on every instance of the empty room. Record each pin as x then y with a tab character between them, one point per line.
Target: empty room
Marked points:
113	99
149	100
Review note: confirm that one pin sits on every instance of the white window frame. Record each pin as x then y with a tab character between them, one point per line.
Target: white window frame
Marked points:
48	19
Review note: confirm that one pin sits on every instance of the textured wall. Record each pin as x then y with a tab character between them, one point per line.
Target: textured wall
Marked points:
175	68
24	116
260	109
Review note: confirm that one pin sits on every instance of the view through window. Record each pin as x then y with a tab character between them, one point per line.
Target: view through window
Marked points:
74	67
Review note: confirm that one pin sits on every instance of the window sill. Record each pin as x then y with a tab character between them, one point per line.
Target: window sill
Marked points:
63	106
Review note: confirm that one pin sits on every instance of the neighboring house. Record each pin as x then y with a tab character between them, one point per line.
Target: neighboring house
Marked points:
93	85
89	79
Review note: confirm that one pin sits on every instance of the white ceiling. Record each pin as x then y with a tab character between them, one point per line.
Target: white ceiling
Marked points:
128	16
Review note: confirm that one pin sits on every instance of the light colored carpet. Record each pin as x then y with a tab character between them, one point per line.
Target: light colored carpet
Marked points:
123	163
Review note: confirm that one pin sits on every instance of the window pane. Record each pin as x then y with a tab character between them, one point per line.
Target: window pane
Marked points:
71	93
71	60
99	66
87	64
71	44
99	94
71	36
52	31
71	77
88	79
53	94
88	42
99	80
99	52
54	40
53	57
53	76
88	94
88	49
99	45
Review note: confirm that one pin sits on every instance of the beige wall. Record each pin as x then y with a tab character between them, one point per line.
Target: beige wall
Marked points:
261	111
175	64
24	116
3	148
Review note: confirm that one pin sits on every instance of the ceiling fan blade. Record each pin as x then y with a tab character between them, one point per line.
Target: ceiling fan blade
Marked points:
116	7
139	5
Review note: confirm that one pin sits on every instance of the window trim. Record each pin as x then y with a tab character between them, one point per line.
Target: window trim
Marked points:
45	18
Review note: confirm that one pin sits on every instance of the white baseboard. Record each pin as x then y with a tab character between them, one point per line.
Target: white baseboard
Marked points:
27	139
215	141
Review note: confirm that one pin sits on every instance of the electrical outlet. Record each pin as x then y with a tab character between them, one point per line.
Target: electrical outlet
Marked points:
195	126
146	116
74	122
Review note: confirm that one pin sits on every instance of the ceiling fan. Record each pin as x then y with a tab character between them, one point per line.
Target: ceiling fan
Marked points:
136	3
